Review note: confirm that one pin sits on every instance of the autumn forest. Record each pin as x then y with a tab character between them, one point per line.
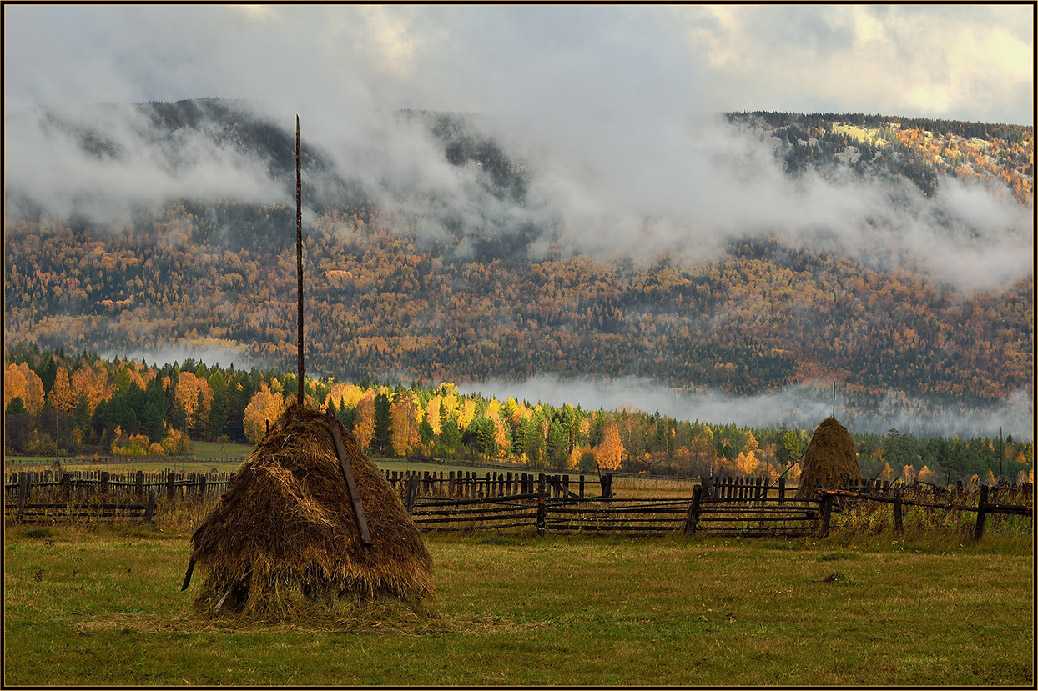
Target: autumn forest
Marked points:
394	312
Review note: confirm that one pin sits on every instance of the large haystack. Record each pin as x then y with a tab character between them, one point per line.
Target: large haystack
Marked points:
830	459
284	533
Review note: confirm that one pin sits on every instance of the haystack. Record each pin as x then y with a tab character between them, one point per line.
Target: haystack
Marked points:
830	459
284	534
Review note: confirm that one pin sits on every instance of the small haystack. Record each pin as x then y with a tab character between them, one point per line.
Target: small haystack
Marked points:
830	459
284	534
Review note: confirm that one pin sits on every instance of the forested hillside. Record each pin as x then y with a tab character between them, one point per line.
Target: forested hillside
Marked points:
386	299
762	317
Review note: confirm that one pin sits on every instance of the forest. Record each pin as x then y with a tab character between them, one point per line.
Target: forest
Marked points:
387	302
760	318
58	404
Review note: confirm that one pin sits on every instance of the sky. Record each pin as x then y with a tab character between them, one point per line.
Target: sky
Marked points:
968	62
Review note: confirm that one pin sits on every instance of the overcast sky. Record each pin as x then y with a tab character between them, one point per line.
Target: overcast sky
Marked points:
963	62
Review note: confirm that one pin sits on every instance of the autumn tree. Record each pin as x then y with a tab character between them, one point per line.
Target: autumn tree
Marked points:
609	453
25	384
265	406
364	420
195	396
60	395
404	434
92	381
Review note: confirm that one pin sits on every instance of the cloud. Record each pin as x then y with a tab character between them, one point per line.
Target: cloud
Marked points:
798	406
128	166
612	108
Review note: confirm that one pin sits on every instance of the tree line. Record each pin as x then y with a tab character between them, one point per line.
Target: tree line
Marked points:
58	404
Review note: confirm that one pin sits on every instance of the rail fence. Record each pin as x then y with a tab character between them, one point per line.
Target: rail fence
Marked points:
470	500
948	499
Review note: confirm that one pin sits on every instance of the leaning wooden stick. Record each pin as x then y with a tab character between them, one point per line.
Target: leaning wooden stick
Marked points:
351	483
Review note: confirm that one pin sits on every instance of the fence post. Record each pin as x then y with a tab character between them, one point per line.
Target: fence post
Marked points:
607	486
170	488
412	494
565	486
201	485
981	513
66	485
541	505
693	510
827	509
149	510
582	486
782	490
899	526
24	485
104	482
140	483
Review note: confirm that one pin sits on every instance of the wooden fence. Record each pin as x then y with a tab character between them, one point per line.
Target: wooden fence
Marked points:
469	500
986	502
50	495
547	503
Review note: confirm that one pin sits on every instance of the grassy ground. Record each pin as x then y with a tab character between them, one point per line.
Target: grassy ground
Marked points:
104	607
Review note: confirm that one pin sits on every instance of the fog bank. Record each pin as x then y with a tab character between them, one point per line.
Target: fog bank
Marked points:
799	406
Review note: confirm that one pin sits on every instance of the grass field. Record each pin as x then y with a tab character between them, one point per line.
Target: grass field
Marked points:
104	607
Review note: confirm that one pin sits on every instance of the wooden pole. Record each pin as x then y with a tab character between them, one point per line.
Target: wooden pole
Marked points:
827	509
541	507
693	510
299	263
981	513
899	526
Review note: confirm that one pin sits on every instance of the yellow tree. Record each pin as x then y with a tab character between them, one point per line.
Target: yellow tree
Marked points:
403	426
432	414
364	422
345	395
466	411
28	384
15	386
265	405
609	453
747	462
60	395
176	443
504	446
195	396
91	380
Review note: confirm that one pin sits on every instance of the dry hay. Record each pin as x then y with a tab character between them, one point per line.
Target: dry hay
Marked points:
830	459
283	536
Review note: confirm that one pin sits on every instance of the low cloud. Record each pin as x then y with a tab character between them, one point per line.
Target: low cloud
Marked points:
799	406
207	352
104	163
